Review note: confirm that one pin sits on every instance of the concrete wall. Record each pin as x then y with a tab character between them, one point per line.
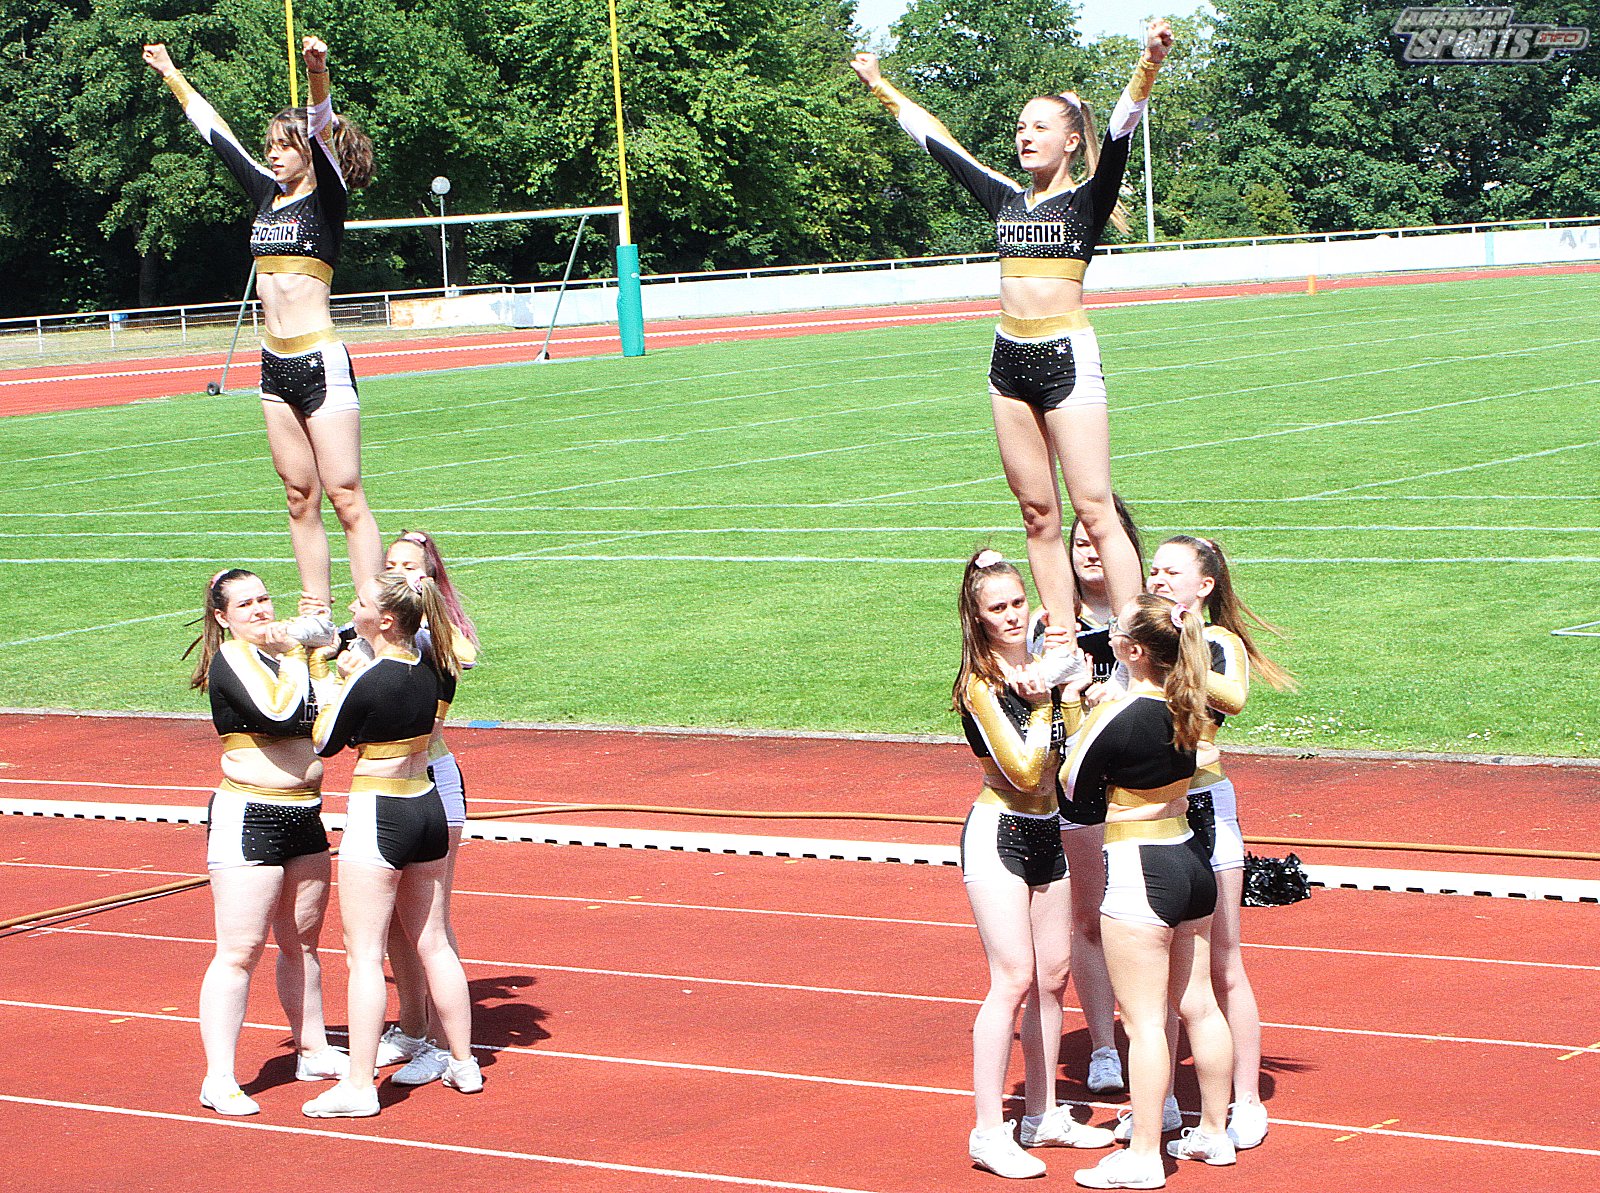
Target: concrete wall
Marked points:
888	286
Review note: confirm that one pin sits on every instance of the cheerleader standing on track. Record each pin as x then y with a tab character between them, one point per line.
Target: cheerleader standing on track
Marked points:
1014	869
1045	383
266	851
415	553
1084	843
396	846
308	389
1133	762
1194	572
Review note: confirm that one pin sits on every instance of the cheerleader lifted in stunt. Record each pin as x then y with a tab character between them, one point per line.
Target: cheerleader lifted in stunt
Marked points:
1045	383
308	389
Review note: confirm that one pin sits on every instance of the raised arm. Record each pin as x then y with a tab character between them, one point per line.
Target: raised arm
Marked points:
255	178
986	186
1125	117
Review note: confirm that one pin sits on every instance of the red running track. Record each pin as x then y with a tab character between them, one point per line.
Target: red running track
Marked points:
759	1023
68	387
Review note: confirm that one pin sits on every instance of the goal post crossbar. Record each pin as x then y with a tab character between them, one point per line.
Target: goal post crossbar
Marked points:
498	217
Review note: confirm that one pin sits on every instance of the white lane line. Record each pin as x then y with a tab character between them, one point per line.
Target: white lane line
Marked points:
1518	459
848	992
424	1145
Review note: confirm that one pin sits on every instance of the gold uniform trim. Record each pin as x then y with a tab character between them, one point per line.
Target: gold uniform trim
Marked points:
301	796
295	345
309	266
888	97
1031	804
179	86
1069	268
393	749
403	787
1144	78
1129	797
437	750
250	741
1169	828
1040	329
1207	776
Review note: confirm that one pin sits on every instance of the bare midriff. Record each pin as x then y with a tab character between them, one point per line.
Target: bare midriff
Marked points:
275	764
1039	298
293	304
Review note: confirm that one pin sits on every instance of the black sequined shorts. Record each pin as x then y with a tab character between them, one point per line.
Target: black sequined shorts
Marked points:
244	832
321	381
1051	373
999	844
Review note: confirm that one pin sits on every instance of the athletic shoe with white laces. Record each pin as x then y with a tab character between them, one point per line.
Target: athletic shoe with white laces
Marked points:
1105	1071
396	1047
329	1064
463	1075
343	1101
427	1065
996	1149
1057	1128
1197	1145
223	1095
1247	1124
1171	1120
1123	1170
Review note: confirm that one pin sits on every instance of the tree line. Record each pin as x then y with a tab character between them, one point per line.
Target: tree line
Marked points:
749	140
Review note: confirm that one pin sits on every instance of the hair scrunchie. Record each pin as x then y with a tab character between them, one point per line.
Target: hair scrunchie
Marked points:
987	559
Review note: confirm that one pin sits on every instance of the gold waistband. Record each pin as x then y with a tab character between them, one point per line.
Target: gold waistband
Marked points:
1207	776
1015	801
393	749
309	266
295	345
1128	797
304	796
1069	268
1039	329
405	787
1170	828
253	741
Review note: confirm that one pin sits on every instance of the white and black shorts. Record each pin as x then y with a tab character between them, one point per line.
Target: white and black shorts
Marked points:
1214	818
241	831
320	381
394	830
1061	370
1011	846
1165	880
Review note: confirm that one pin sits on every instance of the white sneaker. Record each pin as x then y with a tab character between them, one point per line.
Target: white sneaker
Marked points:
312	630
427	1065
464	1075
1123	1170
343	1101
1197	1145
996	1149
1105	1071
1171	1120
396	1047
327	1065
223	1095
1247	1124
1057	1128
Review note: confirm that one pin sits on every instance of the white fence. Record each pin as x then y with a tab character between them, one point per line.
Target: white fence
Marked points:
821	287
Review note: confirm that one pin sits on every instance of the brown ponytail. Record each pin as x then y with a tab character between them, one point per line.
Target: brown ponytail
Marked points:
212	634
977	655
410	601
1175	641
1226	609
1080	117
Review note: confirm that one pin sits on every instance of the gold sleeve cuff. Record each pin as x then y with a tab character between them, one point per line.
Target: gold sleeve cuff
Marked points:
179	87
1144	77
888	97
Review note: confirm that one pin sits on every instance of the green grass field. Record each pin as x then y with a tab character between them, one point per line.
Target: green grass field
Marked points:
769	533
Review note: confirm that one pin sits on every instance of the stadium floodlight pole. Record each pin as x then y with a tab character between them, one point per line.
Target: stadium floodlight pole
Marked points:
630	304
221	387
440	186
